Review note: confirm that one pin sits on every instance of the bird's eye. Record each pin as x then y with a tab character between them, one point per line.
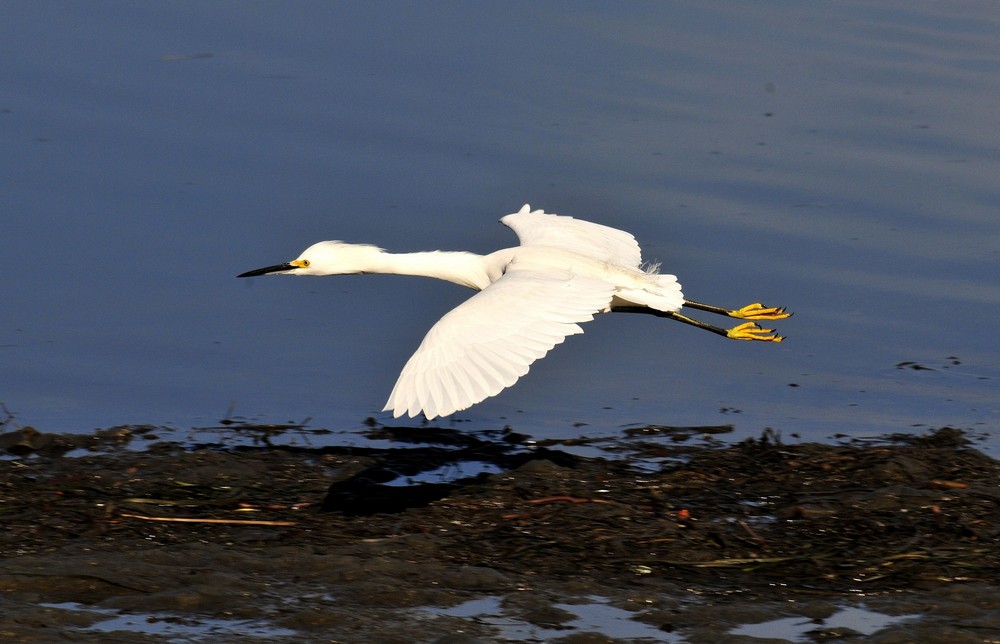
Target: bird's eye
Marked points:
305	263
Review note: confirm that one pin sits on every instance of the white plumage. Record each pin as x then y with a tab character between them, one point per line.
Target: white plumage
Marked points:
531	298
486	343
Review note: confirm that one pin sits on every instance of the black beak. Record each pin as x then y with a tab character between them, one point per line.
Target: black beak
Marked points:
278	268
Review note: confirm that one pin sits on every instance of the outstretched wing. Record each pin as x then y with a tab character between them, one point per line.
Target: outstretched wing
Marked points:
486	343
535	227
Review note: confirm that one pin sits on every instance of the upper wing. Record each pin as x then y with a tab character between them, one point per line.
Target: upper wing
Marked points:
601	242
486	343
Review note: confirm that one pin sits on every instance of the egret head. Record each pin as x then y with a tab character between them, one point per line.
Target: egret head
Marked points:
324	258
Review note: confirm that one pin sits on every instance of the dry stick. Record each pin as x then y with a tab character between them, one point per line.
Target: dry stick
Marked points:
569	499
229	521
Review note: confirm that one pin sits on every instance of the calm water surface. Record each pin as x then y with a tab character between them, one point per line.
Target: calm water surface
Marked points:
841	160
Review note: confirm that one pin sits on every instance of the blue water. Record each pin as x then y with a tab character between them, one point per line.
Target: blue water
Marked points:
839	159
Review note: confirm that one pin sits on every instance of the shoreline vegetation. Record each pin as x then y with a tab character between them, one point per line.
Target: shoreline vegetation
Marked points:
327	542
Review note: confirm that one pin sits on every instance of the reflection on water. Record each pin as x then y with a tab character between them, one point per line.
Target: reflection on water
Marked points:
586	615
166	625
839	160
848	620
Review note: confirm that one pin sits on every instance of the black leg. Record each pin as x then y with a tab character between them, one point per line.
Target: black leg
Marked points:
755	311
745	331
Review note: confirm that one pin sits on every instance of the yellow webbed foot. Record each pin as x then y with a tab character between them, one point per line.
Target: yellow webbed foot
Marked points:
751	331
758	311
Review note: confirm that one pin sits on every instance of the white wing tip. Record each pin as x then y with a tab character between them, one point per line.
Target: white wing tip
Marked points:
525	210
399	408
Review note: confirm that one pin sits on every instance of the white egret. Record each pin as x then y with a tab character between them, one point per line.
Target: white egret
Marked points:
531	297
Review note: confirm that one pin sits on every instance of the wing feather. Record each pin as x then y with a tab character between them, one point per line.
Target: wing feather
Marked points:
489	341
536	227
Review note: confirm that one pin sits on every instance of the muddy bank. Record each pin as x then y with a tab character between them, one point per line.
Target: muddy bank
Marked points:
382	543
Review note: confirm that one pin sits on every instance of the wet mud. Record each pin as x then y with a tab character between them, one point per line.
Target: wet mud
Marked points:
691	537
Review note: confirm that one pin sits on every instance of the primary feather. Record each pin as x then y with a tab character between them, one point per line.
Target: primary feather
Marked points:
486	343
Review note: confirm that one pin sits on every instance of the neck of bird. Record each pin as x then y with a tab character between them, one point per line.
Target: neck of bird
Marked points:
465	269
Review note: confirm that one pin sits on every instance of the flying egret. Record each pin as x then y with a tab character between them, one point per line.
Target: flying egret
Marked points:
531	297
